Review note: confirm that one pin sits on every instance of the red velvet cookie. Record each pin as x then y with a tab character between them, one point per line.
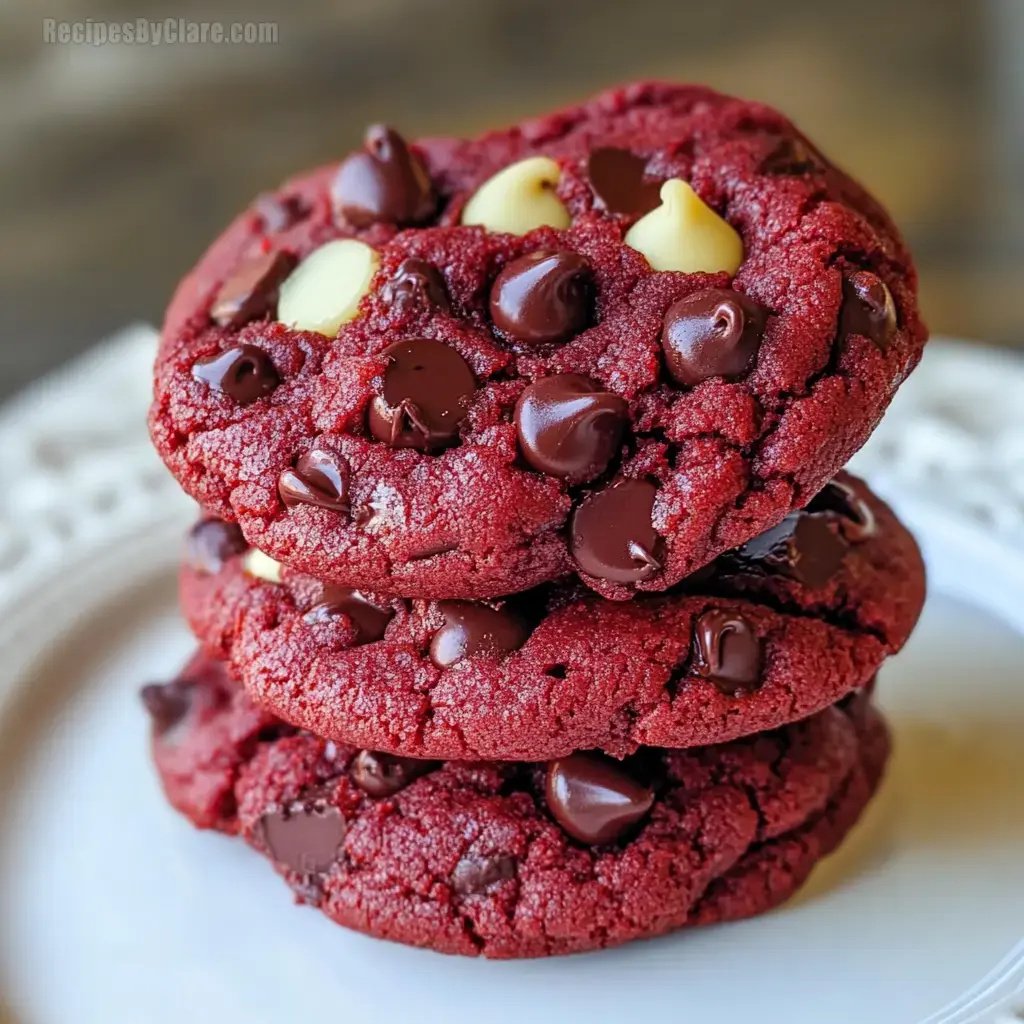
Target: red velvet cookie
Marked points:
619	339
519	860
773	632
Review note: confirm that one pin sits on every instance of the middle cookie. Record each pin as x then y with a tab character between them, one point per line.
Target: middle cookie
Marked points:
766	635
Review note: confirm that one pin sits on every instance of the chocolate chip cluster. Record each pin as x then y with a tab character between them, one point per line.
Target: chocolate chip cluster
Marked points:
595	799
375	367
567	426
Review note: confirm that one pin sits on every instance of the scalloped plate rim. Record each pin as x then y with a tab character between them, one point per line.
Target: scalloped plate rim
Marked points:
112	564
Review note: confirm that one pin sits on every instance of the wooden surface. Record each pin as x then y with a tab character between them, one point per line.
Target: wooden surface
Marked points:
118	164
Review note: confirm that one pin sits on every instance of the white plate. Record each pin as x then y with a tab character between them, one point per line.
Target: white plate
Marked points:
113	909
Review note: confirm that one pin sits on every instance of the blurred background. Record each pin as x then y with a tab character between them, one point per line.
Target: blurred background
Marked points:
120	163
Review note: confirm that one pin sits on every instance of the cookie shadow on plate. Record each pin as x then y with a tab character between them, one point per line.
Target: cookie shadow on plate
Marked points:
946	789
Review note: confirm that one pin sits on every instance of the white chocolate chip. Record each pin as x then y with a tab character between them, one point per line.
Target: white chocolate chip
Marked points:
519	199
684	233
325	289
262	566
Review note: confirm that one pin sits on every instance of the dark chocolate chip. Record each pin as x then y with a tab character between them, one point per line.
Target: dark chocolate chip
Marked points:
471	629
857	521
712	333
417	284
427	391
167	704
251	291
568	427
369	620
868	309
802	546
792	155
305	836
594	799
728	652
542	297
385	181
200	693
612	537
476	873
243	373
380	775
320	478
617	178
210	543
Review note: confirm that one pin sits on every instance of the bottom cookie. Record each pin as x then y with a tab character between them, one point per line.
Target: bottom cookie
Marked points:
510	859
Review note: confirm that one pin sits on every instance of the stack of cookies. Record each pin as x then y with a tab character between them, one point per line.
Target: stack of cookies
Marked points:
535	611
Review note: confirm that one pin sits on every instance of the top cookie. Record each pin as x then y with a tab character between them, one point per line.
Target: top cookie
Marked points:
618	340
